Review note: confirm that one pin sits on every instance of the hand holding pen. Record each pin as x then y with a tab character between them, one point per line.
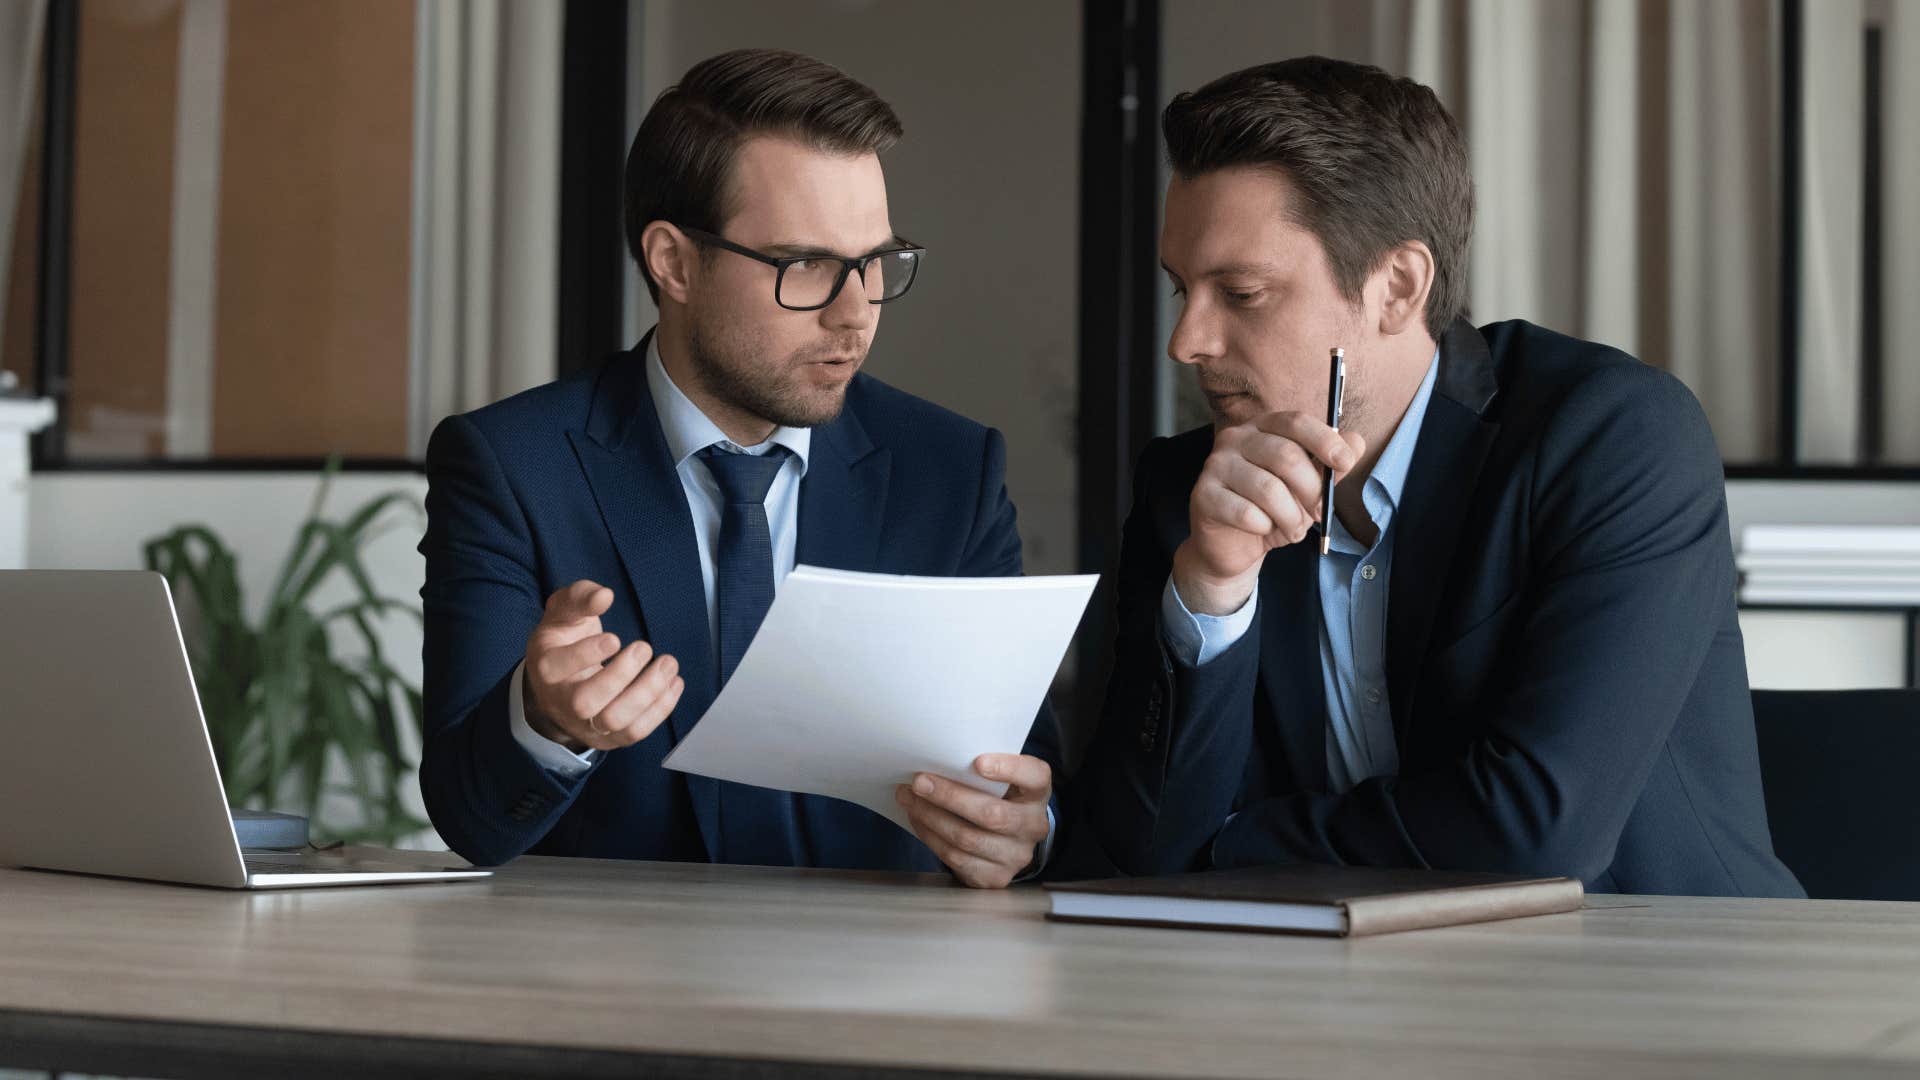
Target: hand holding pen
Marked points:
1266	485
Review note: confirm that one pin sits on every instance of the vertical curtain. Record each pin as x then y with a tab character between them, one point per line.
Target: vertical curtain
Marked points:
486	204
21	26
1834	226
193	267
1901	127
1624	155
1714	320
1831	221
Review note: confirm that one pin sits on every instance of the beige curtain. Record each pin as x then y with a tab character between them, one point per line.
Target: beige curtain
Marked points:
1833	228
486	206
1624	155
1830	278
21	25
1900	416
1667	157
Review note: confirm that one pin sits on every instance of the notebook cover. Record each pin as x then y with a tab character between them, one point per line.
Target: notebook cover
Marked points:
1378	900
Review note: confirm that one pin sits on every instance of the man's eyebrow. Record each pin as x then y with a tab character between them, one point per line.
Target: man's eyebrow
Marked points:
1243	269
1239	269
789	249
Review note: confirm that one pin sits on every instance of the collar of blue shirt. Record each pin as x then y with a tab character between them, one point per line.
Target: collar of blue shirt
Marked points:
1381	495
689	431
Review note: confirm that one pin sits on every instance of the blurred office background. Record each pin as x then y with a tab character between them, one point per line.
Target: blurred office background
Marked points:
247	235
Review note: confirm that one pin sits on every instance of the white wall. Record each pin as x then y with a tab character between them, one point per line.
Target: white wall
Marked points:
1839	502
19	418
101	521
1825	650
1815	650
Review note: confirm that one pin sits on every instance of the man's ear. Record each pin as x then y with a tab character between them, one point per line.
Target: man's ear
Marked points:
1405	278
670	256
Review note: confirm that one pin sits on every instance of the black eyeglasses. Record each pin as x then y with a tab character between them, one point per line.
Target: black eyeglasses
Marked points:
811	282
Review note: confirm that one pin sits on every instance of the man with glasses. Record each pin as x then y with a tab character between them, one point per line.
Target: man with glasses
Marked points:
600	550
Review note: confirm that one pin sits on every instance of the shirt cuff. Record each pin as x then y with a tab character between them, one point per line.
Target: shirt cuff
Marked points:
1196	639
1041	854
549	754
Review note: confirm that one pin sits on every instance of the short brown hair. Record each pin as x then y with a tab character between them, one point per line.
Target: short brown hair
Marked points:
1374	161
682	158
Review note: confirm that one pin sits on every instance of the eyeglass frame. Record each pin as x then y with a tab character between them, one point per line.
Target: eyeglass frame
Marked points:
848	264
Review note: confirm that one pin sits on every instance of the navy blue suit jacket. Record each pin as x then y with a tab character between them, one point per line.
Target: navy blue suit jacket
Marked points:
1565	670
574	480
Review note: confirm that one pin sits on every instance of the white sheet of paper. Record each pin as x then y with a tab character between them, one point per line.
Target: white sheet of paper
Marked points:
855	682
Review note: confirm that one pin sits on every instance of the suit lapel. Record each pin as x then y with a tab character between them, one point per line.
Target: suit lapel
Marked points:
843	497
1454	440
1290	660
631	472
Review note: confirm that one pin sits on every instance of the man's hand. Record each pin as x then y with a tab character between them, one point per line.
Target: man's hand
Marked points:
986	842
1260	490
581	689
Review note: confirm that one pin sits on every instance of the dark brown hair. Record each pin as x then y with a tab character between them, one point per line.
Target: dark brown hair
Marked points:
682	158
1373	160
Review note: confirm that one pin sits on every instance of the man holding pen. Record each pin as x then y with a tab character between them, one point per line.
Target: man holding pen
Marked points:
1520	650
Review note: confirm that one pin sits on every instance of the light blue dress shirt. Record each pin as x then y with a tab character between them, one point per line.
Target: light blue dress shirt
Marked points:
689	431
1353	622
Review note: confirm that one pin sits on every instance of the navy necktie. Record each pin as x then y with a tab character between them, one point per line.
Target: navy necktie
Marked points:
758	826
743	560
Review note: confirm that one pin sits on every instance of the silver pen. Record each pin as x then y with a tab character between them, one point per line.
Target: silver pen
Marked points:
1336	395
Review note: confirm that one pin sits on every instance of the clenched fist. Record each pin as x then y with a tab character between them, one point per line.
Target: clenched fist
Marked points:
1260	490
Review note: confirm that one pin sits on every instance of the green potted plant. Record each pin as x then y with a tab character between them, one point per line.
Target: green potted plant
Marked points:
288	708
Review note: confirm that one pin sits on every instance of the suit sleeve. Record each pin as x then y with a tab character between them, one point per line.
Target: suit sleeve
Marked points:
488	798
1631	573
1165	763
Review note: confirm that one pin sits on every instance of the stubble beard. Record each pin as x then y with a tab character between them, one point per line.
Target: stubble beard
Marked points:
724	360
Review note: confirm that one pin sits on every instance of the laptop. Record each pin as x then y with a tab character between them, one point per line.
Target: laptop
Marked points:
105	762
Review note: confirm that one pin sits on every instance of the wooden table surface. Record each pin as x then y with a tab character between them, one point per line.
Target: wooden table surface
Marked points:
720	968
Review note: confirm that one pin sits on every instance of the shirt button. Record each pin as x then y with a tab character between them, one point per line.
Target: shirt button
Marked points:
1369	572
1373	695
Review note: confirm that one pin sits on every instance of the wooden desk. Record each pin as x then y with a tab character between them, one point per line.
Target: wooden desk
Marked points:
595	967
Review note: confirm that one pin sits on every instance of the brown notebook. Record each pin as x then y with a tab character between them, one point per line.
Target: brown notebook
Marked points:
1336	901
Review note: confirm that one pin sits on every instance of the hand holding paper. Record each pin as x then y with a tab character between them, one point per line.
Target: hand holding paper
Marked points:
987	842
857	683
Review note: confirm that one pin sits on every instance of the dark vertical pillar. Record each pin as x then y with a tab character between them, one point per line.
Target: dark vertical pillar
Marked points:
1119	177
50	339
592	156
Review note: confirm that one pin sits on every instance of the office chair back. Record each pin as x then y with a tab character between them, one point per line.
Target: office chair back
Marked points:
1840	769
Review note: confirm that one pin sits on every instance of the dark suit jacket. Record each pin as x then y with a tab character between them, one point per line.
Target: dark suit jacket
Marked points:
574	480
1566	674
